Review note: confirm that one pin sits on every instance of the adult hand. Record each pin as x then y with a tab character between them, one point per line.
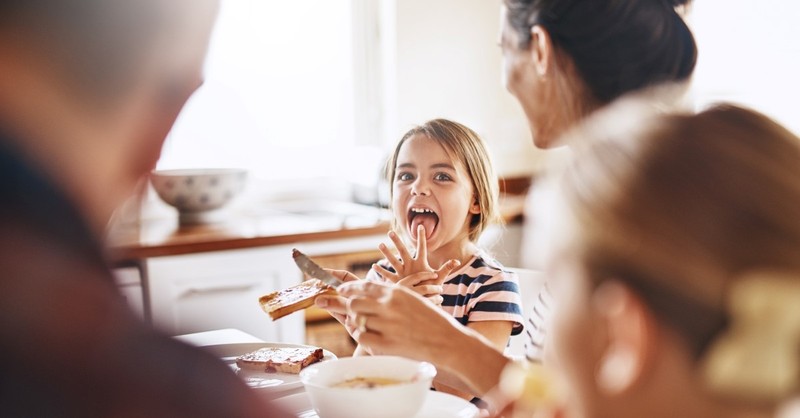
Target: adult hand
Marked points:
336	305
388	318
407	265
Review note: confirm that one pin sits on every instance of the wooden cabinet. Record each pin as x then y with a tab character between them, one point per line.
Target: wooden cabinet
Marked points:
210	290
220	289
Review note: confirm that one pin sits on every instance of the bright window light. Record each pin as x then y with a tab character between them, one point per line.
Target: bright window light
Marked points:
280	93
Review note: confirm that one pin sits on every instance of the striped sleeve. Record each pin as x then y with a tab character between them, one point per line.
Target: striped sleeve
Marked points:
484	292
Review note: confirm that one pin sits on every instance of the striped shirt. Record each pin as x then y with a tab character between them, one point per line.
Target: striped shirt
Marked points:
480	290
535	325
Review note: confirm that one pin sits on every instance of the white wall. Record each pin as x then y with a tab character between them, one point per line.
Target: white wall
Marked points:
749	53
442	60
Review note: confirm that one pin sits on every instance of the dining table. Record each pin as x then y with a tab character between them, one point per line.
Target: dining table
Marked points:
286	390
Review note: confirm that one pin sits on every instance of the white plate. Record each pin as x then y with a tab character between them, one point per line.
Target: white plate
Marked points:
259	380
437	405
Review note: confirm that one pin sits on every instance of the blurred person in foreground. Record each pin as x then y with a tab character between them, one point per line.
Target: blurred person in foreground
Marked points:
88	91
674	248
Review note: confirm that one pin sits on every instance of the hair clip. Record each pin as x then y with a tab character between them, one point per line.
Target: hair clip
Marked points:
757	357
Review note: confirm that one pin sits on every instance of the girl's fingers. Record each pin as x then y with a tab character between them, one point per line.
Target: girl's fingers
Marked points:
385	273
428	289
447	268
405	256
418	278
390	257
422	243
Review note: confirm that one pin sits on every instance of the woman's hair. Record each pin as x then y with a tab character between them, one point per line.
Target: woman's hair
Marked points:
464	145
617	46
682	206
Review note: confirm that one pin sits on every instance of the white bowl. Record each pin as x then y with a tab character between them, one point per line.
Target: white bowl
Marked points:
402	400
198	194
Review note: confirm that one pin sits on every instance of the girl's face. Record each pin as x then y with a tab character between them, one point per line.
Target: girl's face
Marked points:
431	189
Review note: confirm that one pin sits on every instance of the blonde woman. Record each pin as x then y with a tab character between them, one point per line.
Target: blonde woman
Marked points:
676	268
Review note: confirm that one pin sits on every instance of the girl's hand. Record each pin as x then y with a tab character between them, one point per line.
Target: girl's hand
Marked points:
337	305
406	265
426	284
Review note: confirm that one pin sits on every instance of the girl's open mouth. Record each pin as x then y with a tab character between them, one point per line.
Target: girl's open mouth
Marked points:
422	216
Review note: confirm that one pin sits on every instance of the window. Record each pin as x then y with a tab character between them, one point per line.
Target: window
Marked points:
288	92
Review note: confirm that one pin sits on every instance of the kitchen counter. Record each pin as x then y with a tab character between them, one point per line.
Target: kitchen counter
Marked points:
257	227
201	277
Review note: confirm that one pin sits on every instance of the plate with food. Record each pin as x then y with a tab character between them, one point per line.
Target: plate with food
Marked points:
270	366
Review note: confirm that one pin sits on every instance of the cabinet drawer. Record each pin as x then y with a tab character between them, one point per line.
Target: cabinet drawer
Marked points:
202	292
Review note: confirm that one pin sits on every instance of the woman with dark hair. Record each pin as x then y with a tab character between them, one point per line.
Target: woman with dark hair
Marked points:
563	60
566	58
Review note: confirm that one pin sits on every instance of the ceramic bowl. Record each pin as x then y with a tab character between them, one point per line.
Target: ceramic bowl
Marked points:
198	194
399	400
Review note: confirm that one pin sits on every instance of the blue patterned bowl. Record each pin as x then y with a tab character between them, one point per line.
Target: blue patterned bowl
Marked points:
198	194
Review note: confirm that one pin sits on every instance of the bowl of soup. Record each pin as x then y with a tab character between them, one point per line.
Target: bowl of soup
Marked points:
368	386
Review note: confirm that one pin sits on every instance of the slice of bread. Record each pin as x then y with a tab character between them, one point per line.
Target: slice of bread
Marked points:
283	302
279	359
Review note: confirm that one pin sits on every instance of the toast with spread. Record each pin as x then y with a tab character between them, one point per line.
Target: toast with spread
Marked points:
283	302
279	359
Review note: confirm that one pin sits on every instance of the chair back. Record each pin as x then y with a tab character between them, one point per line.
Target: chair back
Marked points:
530	283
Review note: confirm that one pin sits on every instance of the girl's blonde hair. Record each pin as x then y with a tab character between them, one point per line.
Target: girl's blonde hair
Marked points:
683	205
461	144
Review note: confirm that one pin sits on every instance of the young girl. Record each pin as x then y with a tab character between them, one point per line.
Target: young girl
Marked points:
676	268
444	194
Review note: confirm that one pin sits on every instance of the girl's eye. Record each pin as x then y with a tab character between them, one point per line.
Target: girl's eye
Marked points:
442	177
404	176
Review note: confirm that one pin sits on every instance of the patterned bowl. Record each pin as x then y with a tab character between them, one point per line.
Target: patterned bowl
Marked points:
198	194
